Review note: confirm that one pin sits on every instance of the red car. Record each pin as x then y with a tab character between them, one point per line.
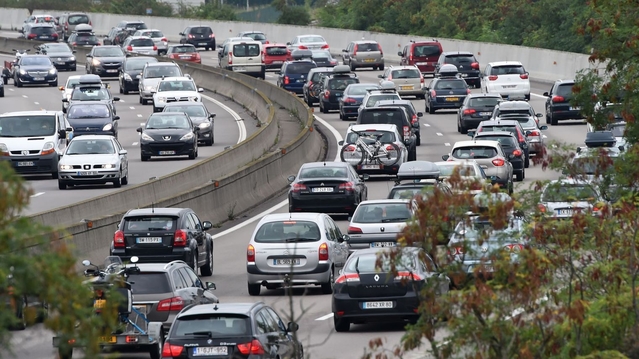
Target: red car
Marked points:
184	52
274	55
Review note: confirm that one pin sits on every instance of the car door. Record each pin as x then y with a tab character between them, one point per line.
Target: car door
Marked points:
205	295
286	341
549	98
334	249
124	158
428	267
62	141
484	78
403	61
189	226
200	237
268	327
363	189
193	290
342	247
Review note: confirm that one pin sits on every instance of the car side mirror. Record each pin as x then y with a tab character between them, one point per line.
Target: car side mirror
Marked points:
544	127
380	76
493	178
153	91
445	157
115	98
341	143
365	176
349	218
181	34
510	156
420	114
399	53
343	50
65	100
61	88
416	125
123	152
291	178
62	133
73	51
139	129
288	43
212	116
528	133
200	90
425	88
138	76
278	73
539	115
292	327
89	56
196	129
210	286
471	133
116	118
206	225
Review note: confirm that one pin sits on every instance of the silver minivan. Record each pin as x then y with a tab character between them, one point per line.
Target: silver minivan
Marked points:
289	249
363	53
161	42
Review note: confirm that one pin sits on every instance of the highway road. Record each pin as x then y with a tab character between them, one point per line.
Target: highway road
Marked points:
310	307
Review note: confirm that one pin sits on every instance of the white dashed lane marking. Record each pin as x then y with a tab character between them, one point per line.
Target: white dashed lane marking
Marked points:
447	144
132	108
139	115
11	90
134	144
439	134
327	316
37	194
36	103
25	96
427	125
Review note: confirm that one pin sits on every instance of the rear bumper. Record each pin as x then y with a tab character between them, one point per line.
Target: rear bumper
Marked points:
182	254
364	241
344	203
560	115
318	275
404	307
202	42
383	170
364	63
472	122
350	110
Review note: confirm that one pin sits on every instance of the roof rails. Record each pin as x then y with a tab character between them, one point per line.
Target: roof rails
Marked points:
417	171
171	263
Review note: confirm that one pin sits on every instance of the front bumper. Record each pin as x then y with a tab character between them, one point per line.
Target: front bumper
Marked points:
97	177
64	64
167	149
34	164
111	71
46	79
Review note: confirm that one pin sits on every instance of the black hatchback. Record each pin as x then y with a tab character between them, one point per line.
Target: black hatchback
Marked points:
446	93
42	32
332	87
198	36
477	107
231	330
516	156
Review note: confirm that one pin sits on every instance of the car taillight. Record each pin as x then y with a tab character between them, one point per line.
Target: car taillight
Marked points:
252	348
172	304
467	91
129	48
164	39
469	111
31	36
286	80
230	57
212	36
354	230
190	36
520	136
517	153
390	148
323	252
492	77
349	148
499	162
380	49
410	58
406	131
514	247
407	275
250	253
414	119
542	208
55	35
347	186
355	50
456	251
118	239
90	24
155	48
66	26
302	47
433	94
474	66
298	187
325	47
179	238
327	93
421	78
558	99
171	350
347	277
523	76
74	44
350	100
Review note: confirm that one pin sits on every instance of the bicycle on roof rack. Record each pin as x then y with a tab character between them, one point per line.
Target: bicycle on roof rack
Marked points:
370	149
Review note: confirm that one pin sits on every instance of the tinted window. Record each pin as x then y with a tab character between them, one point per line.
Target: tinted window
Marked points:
474	152
354	90
460	60
153	34
142	42
218	325
446	170
137	26
256	36
308	39
83	147
591	165
159	71
322	172
483	102
394	116
450	85
25	126
201	30
42	30
366	47
406	74
368	263
300	68
526	122
383	136
170	121
617	130
88	111
176	86
150	223
149	283
107	52
372	100
193	111
507	70
246	50
36	61
410	192
317	75
426	50
183	49
90	94
568	193
283	231
58	48
409	108
564	90
510	129
78	19
505	141
86	38
276	50
382	213
340	84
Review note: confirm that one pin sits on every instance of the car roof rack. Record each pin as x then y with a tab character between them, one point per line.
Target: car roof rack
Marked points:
516	97
448	71
417	171
302	54
600	139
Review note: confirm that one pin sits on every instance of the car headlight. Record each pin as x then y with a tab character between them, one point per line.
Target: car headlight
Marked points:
22	72
146	137
53	71
193	98
127	77
4	150
204	125
161	98
72	58
187	137
96	62
48	148
66	167
107	127
109	166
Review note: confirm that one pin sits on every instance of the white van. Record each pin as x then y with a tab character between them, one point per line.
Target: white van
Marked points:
243	56
33	140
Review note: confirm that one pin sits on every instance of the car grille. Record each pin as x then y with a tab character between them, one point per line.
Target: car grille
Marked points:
21	153
37	73
111	65
175	146
90	129
177	99
86	167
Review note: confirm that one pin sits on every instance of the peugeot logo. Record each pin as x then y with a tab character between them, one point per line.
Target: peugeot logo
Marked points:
484	249
86	167
88	128
25	152
210	341
166	138
286	252
376	277
382	229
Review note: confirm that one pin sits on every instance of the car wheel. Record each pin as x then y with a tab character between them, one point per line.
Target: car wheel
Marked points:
125	179
73	68
207	269
193	154
156	350
510	187
5	80
118	182
121	91
140	100
17	82
553	121
144	158
323	108
65	353
527	161
54	84
62	185
350	64
519	176
431	110
341	116
254	289
341	324
2	93
194	264
381	68
419	139
327	288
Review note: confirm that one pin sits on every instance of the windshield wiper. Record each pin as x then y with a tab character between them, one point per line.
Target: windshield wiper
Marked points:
397	219
301	239
208	334
156	229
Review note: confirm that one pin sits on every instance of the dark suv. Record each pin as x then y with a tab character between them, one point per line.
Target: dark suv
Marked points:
293	74
558	105
332	87
311	87
231	330
395	116
42	32
412	112
162	290
198	36
466	63
163	235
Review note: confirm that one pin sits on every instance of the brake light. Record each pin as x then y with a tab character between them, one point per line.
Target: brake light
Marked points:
298	187
410	58
558	99
129	48
323	252
520	136
380	49
31	36
327	93
355	50
347	186
517	153
535	133
349	148
469	111
74	43
354	230
118	239
499	162
406	131
456	251
171	304
474	66
514	247
250	253
350	100
302	47
542	208
164	39
66	26
390	76
421	78
90	24
347	277
325	47
523	76
155	48
252	348
467	91
433	94
286	80
492	77
55	35
179	239
414	119
407	275
170	350
230	57
390	148
212	36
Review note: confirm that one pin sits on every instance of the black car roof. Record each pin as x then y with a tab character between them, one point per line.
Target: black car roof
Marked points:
499	123
449	53
495	133
226	308
155	211
322	164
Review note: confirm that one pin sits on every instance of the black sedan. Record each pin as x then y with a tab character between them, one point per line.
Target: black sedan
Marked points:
200	116
168	134
130	72
446	93
352	99
92	118
329	187
60	55
477	107
363	293
323	58
105	60
35	69
92	93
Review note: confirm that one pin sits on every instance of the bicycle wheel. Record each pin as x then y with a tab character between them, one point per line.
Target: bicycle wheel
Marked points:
352	154
391	156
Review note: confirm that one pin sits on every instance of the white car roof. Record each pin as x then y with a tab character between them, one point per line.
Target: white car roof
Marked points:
92	137
177	78
379	201
375	126
476	143
303	216
505	63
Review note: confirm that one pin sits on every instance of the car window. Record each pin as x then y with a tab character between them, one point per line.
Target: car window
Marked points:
90	94
220	325
450	85
142	42
322	172
42	30
390	116
373	99
88	111
446	170
171	121
288	231
505	141
270	325
188	280
276	50
426	50
36	61
355	90
477	152
100	51
177	85
84	147
186	49
409	192
301	68
178	281
366	47
201	30
24	126
198	224
381	213
330	233
276	318
340	84
558	192
483	101
507	70
511	129
564	90
309	39
149	283
261	324
193	277
78	19
369	263
188	222
192	111
137	65
370	136
246	50
406	74
150	223
460	60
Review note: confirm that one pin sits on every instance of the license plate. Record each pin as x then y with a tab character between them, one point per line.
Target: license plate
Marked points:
108	339
464	75
406	87
485	113
288	262
575	108
99	303
38	79
564	212
112	71
199	351
87	173
323	189
239	69
185	57
60	62
369	60
422	63
452	99
377	305
167	153
202	44
338	95
509	86
145	240
371	167
26	164
382	244
301	80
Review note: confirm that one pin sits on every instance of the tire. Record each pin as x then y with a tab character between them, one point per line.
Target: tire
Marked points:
463	130
254	289
207	269
419	139
547	118
431	110
327	288
2	93
263	74
54	84
62	185
389	161
527	161
412	155
118	182
125	179
381	67
17	82
144	158
553	121
341	325
510	187
74	68
156	351
352	67
5	80
341	116
519	176
155	109
65	353
358	148
193	154
194	264
140	101
323	108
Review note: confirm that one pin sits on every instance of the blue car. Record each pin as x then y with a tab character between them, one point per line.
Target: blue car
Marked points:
293	74
448	90
352	99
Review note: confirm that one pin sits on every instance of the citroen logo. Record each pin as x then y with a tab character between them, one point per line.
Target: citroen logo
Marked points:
25	152
321	184
286	252
166	138
376	277
484	249
382	229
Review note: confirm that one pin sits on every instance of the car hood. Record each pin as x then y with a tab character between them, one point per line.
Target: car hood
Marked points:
158	134
88	158
60	54
89	122
110	59
22	143
36	67
177	94
153	82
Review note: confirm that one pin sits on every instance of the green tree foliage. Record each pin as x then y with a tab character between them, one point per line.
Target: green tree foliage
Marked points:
292	15
37	265
549	24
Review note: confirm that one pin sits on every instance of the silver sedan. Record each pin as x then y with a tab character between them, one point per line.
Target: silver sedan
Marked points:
377	223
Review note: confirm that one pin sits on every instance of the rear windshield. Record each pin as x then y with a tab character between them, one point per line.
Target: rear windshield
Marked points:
484	101
526	122
309	39
510	129
618	130
246	50
86	37
409	193
288	231
372	100
406	74
505	111
276	50
410	109
341	83
368	263
355	90
323	172
300	68
183	49
450	85
568	193
383	136
224	325
255	36
201	30
382	213
142	42
460	60
78	19
155	223
317	75
42	30
564	90
426	50
507	70
448	170
474	152
159	71
392	116
149	283
366	47
505	141
136	25
153	34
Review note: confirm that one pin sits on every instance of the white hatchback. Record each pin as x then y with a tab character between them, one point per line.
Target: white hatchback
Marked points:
175	89
507	78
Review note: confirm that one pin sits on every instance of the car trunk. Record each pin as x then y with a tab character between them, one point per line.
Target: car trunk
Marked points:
375	285
228	332
148	289
292	256
149	236
319	186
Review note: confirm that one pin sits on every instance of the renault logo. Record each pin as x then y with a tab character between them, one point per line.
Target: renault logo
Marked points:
25	152
376	277
166	138
484	249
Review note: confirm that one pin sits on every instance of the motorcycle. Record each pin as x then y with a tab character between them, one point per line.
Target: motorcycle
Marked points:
7	70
